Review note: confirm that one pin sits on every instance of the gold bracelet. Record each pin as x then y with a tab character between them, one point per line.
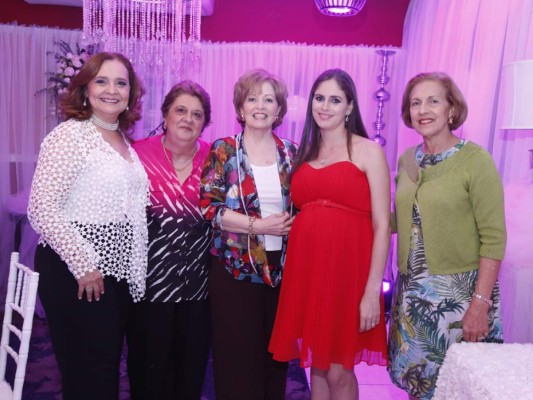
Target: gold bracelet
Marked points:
251	221
482	298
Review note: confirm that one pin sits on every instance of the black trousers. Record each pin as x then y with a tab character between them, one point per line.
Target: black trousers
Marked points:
168	349
87	337
242	315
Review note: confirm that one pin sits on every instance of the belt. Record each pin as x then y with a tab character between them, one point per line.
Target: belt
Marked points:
332	204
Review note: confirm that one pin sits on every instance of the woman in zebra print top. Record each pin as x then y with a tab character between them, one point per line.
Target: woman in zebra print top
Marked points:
169	340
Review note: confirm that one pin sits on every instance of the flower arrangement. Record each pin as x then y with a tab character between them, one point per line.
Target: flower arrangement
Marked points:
68	64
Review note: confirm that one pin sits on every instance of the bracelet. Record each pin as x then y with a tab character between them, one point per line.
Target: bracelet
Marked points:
251	221
482	298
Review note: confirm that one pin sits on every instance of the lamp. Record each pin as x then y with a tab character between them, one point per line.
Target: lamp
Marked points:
517	92
340	8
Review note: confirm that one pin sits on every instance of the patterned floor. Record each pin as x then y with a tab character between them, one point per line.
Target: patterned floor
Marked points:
42	376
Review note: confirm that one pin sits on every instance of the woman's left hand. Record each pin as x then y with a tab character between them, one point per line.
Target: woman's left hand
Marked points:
476	322
369	311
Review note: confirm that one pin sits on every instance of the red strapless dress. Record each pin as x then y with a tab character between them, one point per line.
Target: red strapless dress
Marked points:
326	270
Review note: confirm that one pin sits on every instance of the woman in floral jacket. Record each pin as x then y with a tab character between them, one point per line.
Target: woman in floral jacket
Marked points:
245	194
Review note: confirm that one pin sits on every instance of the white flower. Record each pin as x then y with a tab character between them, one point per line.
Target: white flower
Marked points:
59	70
76	62
69	71
66	80
69	56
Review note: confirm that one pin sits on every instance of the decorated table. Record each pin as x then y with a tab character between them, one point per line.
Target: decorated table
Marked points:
486	371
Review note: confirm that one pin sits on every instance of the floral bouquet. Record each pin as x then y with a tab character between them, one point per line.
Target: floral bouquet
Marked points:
68	64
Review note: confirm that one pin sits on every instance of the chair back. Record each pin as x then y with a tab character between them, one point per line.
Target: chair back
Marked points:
21	294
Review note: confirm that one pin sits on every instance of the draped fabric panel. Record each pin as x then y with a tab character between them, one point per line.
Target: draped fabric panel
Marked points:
471	41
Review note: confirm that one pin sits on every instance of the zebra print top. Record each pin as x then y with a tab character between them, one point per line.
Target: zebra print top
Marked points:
179	237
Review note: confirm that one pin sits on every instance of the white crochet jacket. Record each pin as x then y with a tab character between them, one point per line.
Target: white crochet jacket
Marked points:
89	204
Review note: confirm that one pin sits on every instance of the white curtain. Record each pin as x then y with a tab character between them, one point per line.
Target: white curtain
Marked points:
471	41
27	55
24	122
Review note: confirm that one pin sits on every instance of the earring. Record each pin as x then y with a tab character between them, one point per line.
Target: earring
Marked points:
347	117
450	120
242	116
85	102
127	108
164	125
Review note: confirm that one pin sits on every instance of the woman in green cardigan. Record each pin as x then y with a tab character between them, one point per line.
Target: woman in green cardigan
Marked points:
449	216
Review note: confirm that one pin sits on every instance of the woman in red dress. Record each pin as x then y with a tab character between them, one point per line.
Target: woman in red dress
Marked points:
330	312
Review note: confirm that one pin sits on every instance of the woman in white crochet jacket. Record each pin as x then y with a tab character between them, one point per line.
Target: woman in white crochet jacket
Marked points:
87	202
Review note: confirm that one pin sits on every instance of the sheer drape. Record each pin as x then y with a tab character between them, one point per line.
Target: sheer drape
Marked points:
25	117
24	122
471	41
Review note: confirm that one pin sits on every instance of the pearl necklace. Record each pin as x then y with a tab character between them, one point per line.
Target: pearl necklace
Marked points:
171	161
102	124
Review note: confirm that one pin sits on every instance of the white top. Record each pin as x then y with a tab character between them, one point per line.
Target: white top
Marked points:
270	201
89	204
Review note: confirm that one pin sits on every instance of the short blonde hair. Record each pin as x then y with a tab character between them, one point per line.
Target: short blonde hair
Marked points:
252	79
453	96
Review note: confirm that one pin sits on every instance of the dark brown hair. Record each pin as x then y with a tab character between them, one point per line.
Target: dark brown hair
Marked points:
310	143
253	79
453	96
72	101
190	88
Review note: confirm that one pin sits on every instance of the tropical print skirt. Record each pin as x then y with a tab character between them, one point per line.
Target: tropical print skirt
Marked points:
426	318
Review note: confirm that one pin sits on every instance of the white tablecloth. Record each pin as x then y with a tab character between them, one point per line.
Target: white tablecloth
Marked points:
486	371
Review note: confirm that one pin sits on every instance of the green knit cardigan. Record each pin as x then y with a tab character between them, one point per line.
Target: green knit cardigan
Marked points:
461	209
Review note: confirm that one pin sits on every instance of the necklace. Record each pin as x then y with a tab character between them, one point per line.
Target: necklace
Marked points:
102	124
171	161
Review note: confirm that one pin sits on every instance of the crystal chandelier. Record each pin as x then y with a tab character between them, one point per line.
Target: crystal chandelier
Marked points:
340	8
150	33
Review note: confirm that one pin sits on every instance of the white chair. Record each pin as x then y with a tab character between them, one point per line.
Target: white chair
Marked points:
21	295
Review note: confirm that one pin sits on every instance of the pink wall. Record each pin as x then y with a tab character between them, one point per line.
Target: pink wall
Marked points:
380	23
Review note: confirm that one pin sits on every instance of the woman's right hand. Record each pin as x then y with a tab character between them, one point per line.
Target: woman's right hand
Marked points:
93	285
275	224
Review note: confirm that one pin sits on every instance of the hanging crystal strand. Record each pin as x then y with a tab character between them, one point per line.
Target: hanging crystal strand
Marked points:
196	18
132	34
120	27
87	23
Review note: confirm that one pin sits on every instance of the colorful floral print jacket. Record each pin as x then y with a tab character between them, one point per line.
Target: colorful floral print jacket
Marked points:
228	182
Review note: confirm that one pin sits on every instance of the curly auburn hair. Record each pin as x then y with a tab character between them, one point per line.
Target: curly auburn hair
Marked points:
72	102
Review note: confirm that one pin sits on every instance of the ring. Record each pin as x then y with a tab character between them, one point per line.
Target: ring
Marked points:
374	324
88	289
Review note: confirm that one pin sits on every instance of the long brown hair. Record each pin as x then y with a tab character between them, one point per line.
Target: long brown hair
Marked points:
310	143
72	101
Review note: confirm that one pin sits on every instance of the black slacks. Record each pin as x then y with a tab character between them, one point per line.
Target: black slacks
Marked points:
87	337
242	315
168	348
